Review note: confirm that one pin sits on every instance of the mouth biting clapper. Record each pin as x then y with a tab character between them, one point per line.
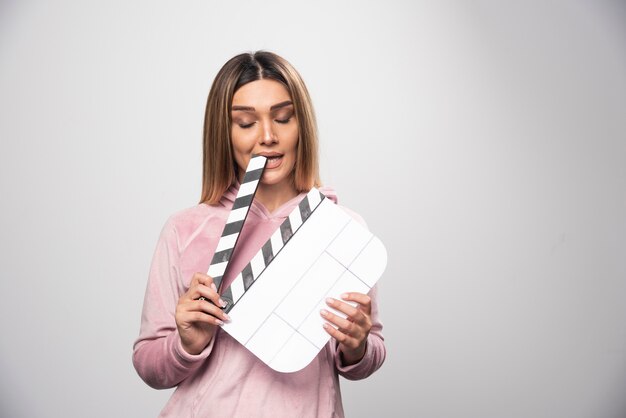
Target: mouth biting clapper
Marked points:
318	251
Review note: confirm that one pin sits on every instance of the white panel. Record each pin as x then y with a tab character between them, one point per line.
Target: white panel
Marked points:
371	262
270	338
282	274
349	243
346	283
312	329
308	292
297	283
295	355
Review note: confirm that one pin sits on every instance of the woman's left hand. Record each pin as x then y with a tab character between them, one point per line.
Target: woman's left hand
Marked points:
350	332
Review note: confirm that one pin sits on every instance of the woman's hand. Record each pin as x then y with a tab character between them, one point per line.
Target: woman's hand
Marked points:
197	320
352	331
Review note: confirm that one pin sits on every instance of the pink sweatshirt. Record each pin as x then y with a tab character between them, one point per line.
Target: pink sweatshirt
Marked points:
225	379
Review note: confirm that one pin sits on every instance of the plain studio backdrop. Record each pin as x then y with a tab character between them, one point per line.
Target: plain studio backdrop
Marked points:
483	142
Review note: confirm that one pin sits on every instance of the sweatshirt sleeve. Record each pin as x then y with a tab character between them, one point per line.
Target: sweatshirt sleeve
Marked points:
375	351
158	355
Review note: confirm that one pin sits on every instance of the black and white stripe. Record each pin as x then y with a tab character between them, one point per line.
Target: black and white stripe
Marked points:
236	218
271	248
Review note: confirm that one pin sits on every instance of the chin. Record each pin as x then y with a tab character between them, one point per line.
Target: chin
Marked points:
273	179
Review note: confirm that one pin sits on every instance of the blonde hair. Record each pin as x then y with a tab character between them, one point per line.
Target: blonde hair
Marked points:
219	169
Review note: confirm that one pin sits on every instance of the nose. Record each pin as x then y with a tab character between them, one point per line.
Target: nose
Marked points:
268	136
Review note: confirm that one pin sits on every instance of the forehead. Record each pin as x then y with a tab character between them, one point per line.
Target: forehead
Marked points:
261	94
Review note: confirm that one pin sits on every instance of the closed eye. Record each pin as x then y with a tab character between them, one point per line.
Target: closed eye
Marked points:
283	120
245	125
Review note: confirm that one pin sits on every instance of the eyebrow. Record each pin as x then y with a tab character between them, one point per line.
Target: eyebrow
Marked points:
274	107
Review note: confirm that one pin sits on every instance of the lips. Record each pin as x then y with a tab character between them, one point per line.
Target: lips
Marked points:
274	160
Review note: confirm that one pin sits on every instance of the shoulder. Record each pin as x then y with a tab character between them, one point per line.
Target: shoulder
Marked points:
331	194
193	215
354	216
183	225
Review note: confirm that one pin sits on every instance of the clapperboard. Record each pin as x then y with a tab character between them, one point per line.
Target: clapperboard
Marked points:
319	251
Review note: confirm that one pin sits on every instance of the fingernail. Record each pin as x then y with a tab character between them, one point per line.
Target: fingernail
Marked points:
220	323
222	303
213	287
326	326
324	312
226	317
344	295
330	300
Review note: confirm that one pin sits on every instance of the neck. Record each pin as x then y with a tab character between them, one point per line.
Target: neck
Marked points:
272	196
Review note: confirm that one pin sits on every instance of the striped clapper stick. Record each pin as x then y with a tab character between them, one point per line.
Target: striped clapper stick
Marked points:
319	251
236	219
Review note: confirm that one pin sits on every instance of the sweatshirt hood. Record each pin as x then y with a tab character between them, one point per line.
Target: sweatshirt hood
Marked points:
228	198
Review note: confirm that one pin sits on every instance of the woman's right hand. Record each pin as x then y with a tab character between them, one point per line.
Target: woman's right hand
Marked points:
197	320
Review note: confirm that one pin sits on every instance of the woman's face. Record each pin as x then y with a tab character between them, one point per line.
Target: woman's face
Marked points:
264	123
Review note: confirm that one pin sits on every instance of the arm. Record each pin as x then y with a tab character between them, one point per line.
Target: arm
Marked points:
158	354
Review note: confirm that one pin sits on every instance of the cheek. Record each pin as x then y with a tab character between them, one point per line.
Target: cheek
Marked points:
242	142
240	149
293	140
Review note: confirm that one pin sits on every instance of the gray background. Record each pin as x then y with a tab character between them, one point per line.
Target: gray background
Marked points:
484	142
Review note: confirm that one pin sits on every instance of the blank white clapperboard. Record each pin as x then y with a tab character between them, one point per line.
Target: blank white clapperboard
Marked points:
318	252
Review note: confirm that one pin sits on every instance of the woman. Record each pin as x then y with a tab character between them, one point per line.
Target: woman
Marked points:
258	104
